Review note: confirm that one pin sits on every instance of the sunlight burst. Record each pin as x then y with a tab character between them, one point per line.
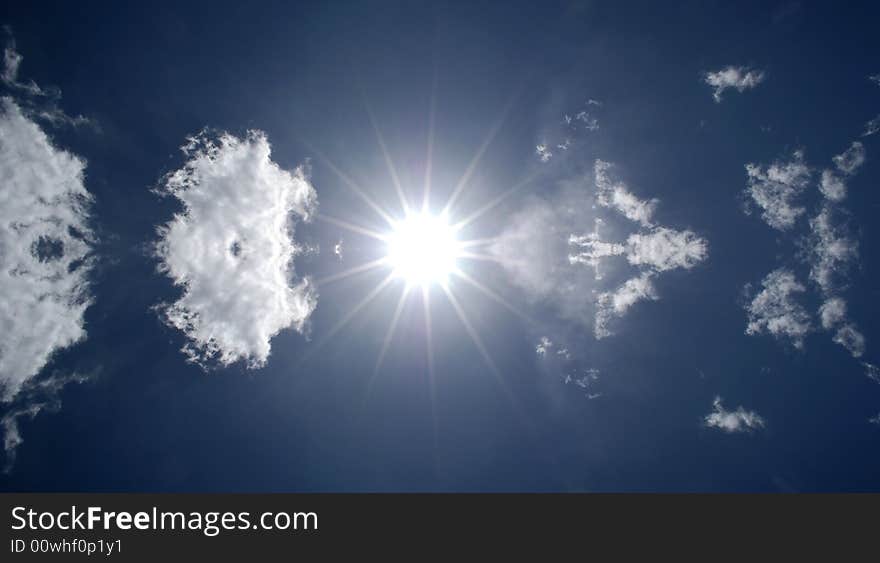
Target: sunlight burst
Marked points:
422	249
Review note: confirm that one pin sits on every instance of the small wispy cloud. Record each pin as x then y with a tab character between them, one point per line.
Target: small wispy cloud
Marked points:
615	304
872	127
544	346
231	249
739	420
46	108
775	311
43	395
739	78
616	195
544	153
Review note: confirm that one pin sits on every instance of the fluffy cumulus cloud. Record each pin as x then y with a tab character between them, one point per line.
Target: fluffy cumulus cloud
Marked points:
616	195
737	77
739	420
775	311
774	189
44	249
833	183
231	249
616	303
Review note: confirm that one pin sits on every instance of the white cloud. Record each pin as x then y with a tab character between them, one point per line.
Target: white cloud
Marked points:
774	310
543	152
615	304
848	162
739	420
832	186
44	249
231	249
775	188
617	196
590	122
544	345
665	249
11	63
850	338
833	316
872	372
872	126
851	159
831	251
832	313
875	78
661	249
533	249
736	77
46	106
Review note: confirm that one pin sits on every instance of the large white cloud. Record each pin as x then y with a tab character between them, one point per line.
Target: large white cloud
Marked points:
44	249
739	420
775	189
775	311
231	249
737	77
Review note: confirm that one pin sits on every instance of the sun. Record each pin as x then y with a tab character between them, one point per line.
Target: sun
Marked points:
422	249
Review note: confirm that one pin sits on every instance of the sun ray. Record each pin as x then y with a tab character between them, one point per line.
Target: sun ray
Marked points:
475	161
511	398
346	319
497	298
353	186
426	199
477	242
388	337
429	349
392	171
483	257
373	264
391	326
495	202
352	227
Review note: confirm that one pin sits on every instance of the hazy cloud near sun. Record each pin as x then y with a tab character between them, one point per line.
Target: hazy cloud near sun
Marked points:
231	249
545	248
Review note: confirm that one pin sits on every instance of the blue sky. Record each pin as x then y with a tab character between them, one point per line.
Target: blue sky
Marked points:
633	269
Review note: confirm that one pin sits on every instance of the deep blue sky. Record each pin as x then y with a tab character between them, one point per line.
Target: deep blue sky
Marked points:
305	73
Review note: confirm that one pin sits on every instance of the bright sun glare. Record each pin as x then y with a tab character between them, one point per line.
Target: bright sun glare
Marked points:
422	249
